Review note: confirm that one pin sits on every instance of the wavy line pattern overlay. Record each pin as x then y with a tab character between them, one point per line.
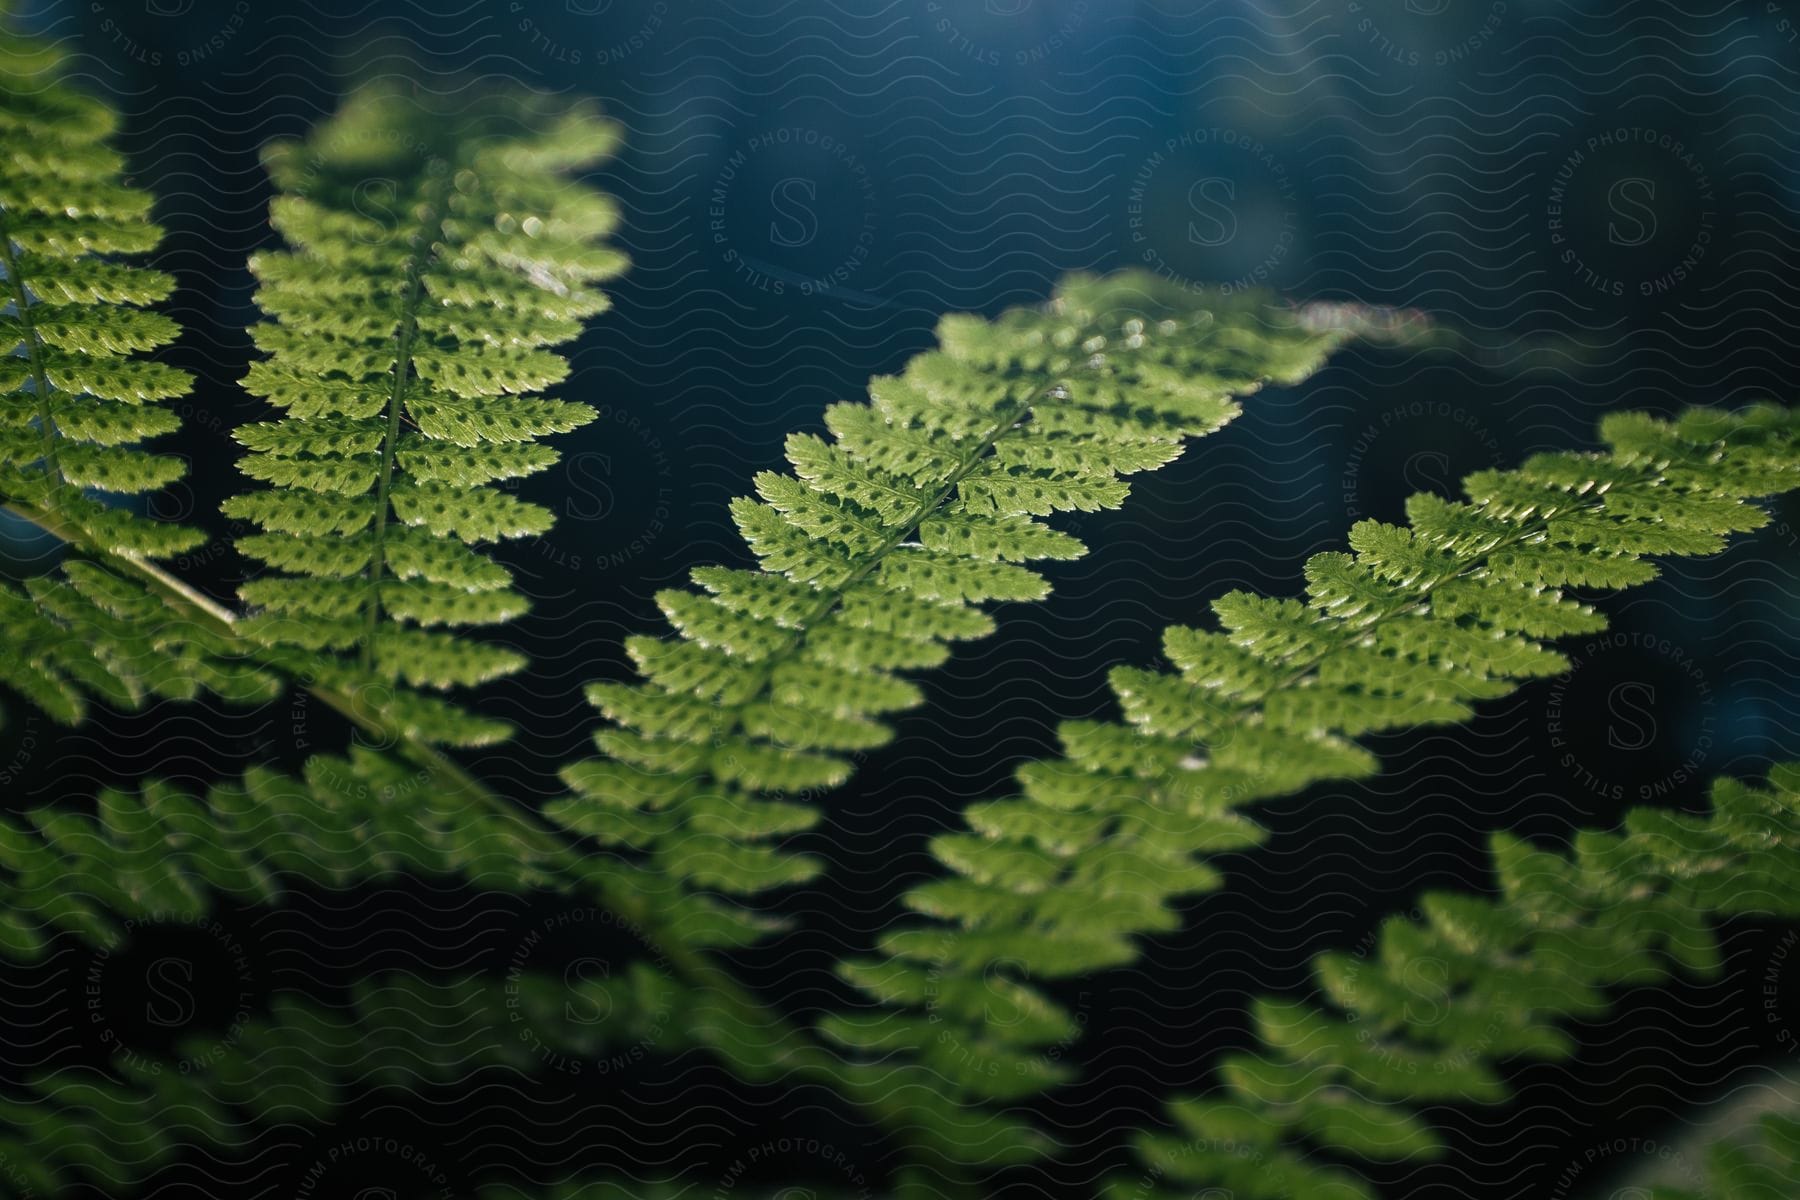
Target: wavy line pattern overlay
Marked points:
1597	200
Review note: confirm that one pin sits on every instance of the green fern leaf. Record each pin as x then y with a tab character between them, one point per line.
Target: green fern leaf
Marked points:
875	550
346	821
1448	995
406	341
162	852
1412	628
303	1062
91	634
75	400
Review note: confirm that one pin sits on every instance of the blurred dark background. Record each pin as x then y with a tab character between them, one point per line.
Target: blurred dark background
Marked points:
1599	198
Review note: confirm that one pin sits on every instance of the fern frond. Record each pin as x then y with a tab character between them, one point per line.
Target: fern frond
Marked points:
163	853
1448	996
880	547
75	401
302	1063
437	252
74	397
88	633
1413	628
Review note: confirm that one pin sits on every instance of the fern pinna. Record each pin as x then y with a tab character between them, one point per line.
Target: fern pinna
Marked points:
438	250
1472	982
1411	629
160	853
75	401
877	551
76	398
300	1064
